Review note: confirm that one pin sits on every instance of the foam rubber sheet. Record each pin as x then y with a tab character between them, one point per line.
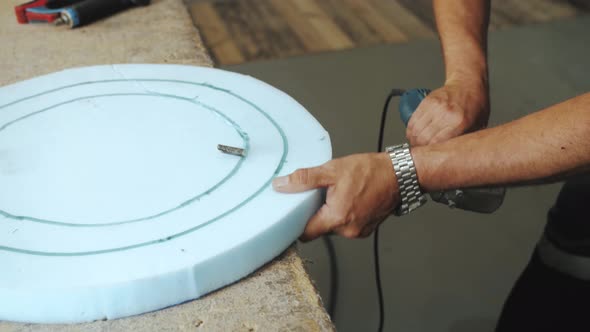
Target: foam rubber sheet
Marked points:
115	201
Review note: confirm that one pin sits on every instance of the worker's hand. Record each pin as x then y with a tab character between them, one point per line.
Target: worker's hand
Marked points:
361	192
457	108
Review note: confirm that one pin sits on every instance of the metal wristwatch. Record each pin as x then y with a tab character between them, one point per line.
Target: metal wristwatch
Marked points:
411	197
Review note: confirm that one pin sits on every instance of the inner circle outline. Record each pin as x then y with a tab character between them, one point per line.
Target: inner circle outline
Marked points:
183	204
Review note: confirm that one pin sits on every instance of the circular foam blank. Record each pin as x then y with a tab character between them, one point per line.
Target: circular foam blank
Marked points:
115	201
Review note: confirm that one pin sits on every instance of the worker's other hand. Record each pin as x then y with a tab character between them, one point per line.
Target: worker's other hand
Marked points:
361	192
456	108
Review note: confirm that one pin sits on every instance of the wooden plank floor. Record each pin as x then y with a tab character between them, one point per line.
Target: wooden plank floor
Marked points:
238	31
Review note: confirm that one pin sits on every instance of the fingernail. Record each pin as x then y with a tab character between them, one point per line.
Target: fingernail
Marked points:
280	181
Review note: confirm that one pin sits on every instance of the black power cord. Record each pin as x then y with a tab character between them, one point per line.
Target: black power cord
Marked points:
330	245
392	94
333	276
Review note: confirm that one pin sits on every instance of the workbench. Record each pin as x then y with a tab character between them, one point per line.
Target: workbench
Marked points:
280	295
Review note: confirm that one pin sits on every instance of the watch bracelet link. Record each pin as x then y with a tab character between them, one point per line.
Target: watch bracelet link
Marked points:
411	197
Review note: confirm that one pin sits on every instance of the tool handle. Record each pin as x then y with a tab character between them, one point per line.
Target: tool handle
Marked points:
55	4
409	101
89	11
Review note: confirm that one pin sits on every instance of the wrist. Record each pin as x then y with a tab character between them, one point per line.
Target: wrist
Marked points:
474	79
472	93
467	64
427	160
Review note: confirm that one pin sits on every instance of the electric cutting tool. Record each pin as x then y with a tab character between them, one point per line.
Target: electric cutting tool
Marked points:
484	200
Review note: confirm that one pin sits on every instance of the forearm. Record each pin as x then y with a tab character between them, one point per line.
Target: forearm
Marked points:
541	147
462	27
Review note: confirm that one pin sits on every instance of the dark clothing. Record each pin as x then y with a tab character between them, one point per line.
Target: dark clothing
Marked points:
544	297
568	222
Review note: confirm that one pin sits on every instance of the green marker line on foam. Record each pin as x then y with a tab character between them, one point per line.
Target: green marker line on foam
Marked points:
243	134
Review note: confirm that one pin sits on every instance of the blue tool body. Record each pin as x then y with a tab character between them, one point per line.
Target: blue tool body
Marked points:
409	101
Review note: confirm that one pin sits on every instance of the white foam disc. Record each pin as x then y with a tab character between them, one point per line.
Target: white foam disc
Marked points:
115	201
